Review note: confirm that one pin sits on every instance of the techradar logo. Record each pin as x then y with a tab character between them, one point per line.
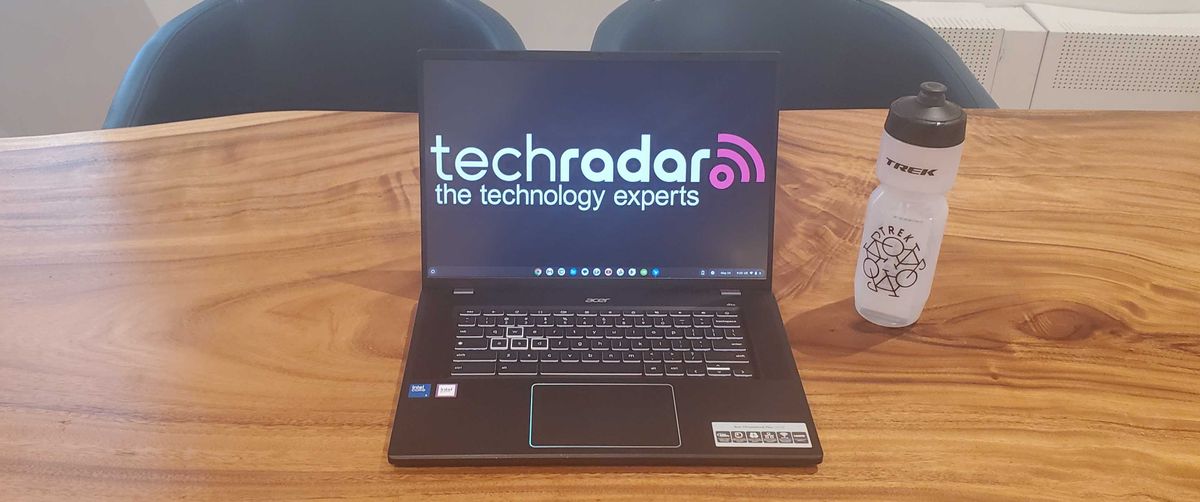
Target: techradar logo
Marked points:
737	161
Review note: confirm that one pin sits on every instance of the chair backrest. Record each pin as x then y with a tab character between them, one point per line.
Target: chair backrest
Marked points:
225	57
835	53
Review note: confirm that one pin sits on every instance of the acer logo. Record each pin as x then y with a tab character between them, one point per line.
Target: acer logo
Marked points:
910	169
597	300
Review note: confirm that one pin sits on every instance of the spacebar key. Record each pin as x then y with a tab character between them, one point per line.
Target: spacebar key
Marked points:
608	369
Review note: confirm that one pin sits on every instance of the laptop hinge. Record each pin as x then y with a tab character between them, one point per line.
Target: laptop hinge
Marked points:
464	291
731	292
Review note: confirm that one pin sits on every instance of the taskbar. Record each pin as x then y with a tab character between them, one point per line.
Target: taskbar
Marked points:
594	272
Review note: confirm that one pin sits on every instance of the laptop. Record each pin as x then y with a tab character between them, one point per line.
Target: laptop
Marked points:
596	246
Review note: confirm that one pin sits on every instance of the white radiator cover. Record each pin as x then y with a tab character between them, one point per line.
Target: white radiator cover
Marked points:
1107	60
1002	46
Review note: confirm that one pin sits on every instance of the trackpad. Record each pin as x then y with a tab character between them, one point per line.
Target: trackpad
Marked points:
602	416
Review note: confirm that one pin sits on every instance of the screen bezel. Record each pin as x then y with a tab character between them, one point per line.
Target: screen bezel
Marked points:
425	55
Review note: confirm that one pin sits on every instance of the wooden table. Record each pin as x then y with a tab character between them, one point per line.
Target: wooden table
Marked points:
219	309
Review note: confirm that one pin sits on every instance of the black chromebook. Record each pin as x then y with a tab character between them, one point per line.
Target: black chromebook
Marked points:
596	252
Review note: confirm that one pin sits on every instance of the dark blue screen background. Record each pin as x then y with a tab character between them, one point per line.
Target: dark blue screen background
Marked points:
605	104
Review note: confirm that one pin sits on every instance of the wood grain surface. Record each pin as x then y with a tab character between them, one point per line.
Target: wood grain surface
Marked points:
219	309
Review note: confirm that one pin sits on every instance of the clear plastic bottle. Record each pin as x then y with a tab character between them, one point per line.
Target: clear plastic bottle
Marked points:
906	215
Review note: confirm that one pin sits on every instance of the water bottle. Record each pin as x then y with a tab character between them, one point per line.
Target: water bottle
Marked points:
906	215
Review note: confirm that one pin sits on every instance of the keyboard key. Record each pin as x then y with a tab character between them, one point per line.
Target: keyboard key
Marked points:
672	357
535	332
620	344
639	344
674	370
726	313
529	356
513	332
580	344
584	322
725	322
549	356
593	333
635	333
571	356
742	370
600	345
631	357
642	322
517	368
486	322
539	343
470	333
680	313
498	343
554	333
560	343
518	312
492	332
614	369
653	369
565	322
470	344
590	357
680	345
726	357
719	371
465	356
604	322
473	369
518	343
702	322
694	369
660	344
693	334
701	345
466	320
729	345
611	357
573	333
693	357
508	356
654	333
662	322
614	333
713	334
733	334
470	312
492	312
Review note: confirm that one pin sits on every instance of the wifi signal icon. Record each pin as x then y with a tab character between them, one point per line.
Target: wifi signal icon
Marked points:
721	175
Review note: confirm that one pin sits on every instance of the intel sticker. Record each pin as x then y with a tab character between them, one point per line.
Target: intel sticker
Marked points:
418	390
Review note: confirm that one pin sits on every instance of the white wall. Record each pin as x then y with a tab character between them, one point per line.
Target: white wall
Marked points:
61	61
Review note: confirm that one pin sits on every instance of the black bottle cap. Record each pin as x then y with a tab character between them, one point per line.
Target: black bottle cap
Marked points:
927	119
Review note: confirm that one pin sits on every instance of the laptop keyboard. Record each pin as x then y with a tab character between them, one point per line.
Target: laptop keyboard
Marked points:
608	342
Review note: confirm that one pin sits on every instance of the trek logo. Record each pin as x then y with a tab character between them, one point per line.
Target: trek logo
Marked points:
597	300
910	169
635	165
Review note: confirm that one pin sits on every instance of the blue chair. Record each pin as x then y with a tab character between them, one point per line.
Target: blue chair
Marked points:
835	53
224	57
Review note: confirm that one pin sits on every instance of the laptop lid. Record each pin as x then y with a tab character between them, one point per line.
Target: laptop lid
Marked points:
598	167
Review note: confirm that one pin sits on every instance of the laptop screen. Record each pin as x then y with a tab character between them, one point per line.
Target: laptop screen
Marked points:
577	166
